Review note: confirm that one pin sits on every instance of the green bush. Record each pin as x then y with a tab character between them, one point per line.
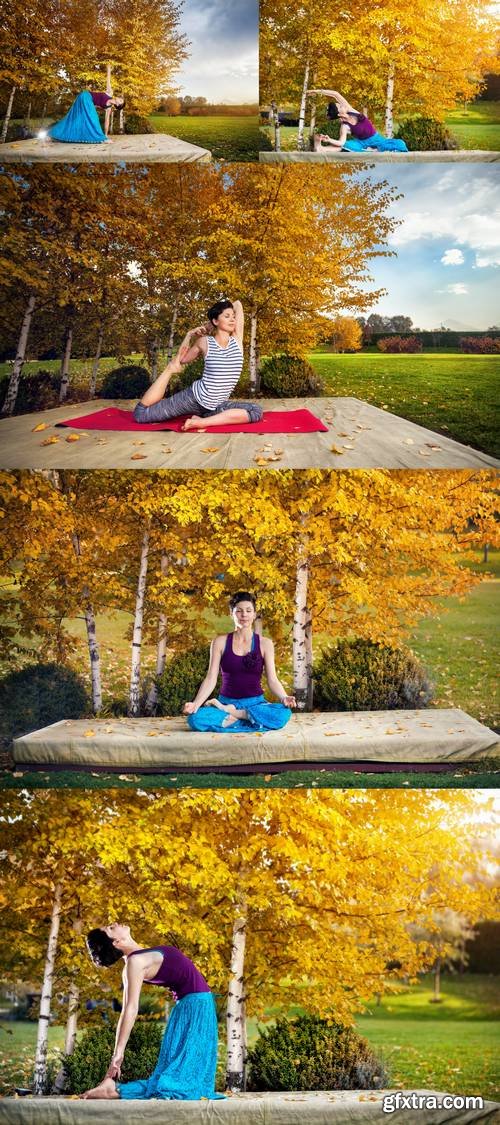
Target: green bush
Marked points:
289	376
309	1053
129	381
424	134
38	695
181	679
136	125
359	675
91	1057
38	391
189	374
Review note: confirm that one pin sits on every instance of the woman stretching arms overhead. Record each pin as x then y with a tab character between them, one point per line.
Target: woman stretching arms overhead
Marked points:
357	132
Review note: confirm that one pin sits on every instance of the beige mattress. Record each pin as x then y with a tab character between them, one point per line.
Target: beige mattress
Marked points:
263	1109
432	736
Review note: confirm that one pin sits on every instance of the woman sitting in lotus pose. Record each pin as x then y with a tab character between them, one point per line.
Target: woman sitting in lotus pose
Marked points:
81	124
357	132
187	1061
241	656
206	401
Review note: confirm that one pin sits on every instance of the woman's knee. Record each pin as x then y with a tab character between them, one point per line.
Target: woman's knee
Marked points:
140	412
254	411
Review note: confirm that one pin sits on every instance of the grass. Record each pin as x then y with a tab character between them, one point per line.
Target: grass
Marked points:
17	1050
475	126
450	1046
449	393
228	138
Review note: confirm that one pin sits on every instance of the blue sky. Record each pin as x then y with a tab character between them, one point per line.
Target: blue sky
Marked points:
448	246
223	64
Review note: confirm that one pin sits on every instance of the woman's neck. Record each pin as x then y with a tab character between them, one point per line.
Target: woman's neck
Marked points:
131	947
222	337
246	633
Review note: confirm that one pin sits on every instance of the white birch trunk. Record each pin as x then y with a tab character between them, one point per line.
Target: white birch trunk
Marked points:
161	652
389	101
70	1034
171	335
312	123
63	390
277	127
40	1070
236	1032
6	120
108	113
302	671
309	660
11	396
302	111
95	364
155	347
135	672
253	366
93	646
7	117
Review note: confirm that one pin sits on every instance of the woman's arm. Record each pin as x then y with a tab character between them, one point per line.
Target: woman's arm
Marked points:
343	134
193	345
274	684
133	976
240	321
343	104
209	683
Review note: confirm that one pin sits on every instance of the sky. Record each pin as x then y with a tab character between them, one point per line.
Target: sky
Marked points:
448	246
223	63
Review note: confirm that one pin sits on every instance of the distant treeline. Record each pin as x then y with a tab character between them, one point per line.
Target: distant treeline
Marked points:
200	107
438	339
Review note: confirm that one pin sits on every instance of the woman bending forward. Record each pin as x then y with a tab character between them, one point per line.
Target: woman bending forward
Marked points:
241	656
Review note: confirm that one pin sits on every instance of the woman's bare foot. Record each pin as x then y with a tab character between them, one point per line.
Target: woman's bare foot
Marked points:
215	703
194	423
106	1089
233	715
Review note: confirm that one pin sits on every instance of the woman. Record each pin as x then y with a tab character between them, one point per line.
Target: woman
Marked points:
81	124
241	656
188	1055
357	132
206	401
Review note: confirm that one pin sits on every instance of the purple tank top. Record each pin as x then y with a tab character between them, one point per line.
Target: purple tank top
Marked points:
100	99
241	675
363	129
176	971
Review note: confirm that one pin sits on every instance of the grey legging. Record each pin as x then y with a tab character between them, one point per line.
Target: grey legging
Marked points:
184	402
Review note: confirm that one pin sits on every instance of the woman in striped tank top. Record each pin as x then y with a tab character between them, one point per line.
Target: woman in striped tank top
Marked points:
206	401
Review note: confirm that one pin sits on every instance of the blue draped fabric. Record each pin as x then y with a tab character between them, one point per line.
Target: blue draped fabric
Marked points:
261	716
378	142
186	1065
81	124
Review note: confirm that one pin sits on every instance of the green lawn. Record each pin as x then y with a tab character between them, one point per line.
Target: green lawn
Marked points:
17	1048
228	138
475	126
449	1046
450	393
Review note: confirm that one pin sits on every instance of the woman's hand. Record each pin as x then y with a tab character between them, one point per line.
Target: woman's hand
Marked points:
189	709
115	1067
289	701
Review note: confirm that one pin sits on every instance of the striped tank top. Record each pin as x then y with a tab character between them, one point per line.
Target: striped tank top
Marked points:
223	367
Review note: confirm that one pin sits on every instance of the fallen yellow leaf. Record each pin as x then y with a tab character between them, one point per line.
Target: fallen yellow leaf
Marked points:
41	426
73	437
139	457
50	441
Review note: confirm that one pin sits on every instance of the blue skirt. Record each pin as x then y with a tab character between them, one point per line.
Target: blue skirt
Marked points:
81	124
186	1065
261	716
378	142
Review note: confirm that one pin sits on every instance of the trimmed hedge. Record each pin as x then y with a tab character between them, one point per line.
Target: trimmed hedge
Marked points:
136	125
400	344
360	675
289	376
87	1065
425	134
128	381
38	695
309	1053
181	679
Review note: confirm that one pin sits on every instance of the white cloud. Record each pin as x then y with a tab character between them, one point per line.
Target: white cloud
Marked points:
465	212
459	289
452	258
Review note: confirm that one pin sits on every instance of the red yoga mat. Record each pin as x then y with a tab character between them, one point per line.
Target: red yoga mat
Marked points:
273	422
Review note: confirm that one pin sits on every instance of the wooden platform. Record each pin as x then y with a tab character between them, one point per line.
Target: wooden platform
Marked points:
342	1106
460	156
431	736
359	436
147	148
